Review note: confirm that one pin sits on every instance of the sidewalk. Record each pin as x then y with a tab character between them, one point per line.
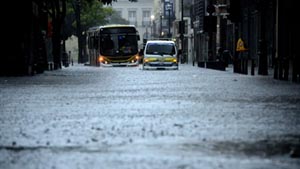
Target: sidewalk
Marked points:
270	71
230	69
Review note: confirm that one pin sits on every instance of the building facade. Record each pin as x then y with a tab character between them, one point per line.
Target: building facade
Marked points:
140	14
266	27
28	53
183	10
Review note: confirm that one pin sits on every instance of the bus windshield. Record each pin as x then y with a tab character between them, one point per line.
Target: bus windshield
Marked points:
118	44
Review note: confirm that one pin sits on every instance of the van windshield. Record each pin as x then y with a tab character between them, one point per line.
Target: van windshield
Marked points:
160	49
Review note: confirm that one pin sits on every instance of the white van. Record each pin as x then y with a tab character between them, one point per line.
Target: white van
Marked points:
160	54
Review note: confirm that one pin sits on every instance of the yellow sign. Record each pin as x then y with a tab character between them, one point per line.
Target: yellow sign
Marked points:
240	47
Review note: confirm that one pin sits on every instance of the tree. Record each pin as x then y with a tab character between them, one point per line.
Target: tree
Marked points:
93	14
87	14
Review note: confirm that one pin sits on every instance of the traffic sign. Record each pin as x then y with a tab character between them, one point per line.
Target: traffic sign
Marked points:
240	46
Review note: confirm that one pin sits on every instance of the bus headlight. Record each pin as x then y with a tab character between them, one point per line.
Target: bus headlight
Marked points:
101	59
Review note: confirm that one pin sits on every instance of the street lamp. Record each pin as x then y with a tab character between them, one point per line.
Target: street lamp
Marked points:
169	7
152	25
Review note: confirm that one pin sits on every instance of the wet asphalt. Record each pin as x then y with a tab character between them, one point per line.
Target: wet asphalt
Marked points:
124	117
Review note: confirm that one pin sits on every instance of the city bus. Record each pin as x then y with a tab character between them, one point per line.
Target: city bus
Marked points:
113	45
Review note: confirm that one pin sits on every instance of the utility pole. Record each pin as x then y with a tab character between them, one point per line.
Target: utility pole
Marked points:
160	31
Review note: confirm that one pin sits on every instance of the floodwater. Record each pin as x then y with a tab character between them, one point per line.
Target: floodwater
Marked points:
125	117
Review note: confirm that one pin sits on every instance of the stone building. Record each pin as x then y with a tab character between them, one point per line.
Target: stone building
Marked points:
139	14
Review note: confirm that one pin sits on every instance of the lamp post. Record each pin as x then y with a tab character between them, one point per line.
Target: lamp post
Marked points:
160	29
169	7
147	33
152	25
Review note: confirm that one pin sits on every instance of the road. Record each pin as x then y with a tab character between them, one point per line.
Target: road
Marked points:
127	118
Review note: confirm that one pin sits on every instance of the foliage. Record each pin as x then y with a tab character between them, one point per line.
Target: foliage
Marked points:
94	14
88	13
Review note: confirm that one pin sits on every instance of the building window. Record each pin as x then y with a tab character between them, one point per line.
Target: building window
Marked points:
146	18
186	26
132	18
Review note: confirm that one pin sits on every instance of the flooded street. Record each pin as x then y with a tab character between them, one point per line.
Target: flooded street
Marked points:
125	117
